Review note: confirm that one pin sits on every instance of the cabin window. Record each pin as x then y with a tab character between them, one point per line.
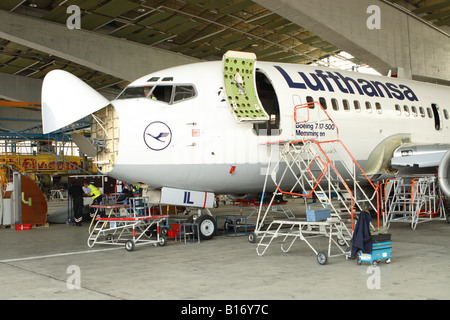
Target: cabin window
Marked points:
406	109
183	92
323	103
398	110
414	111
357	106
368	107
445	114
335	104
430	113
378	107
346	105
422	112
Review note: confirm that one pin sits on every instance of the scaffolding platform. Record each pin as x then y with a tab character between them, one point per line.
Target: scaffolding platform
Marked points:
127	230
413	200
293	229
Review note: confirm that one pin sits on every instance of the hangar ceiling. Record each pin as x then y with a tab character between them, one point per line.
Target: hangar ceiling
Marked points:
203	29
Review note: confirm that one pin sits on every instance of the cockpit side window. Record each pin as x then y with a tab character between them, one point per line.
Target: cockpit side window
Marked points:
183	92
163	93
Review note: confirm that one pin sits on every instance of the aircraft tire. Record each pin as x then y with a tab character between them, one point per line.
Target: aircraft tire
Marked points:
206	227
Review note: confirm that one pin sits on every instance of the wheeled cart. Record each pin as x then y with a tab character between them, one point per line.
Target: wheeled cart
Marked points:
381	250
296	228
127	231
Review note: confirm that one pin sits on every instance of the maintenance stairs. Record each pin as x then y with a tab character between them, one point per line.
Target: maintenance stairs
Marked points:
329	172
325	170
413	200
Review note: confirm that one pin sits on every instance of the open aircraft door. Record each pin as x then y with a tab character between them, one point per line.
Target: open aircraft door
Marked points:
240	87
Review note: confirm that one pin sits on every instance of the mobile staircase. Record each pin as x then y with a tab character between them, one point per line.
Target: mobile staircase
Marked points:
412	200
325	169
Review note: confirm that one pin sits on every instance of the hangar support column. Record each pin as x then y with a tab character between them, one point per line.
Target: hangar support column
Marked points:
402	41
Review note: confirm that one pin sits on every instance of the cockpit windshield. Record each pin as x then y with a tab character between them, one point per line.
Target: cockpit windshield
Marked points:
168	93
135	92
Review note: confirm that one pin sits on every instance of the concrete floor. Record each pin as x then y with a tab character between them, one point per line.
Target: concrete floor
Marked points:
36	264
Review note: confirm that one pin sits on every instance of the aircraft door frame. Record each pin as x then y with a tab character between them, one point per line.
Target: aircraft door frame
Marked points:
437	117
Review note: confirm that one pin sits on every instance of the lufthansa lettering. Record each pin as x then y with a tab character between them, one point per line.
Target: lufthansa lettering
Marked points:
328	81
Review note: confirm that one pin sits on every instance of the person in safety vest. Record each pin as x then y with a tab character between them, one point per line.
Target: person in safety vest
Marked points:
96	195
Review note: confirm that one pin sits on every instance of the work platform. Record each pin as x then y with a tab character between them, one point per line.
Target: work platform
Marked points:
292	229
323	168
413	200
123	227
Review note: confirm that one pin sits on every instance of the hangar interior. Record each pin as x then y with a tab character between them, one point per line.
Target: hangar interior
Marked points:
123	40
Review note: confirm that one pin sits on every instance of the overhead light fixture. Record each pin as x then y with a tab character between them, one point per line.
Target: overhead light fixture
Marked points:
32	4
141	9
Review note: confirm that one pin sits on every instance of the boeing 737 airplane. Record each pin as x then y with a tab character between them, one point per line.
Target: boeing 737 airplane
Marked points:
201	129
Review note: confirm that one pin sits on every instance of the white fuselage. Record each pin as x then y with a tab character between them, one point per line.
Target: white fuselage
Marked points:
196	143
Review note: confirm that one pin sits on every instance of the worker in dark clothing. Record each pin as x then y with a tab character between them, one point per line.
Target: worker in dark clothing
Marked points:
76	192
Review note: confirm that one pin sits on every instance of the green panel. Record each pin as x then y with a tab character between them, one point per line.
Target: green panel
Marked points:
92	21
239	84
194	1
275	24
443	22
122	33
164	26
9	4
185	27
432	7
267	51
293	59
116	8
288	28
10	69
264	19
437	15
208	53
200	47
157	38
22	62
183	47
16	46
214	4
57	15
225	39
310	40
239	44
90	4
4	58
277	56
237	7
154	18
141	34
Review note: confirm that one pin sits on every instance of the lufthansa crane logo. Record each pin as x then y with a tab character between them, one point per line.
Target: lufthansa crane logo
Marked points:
157	136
